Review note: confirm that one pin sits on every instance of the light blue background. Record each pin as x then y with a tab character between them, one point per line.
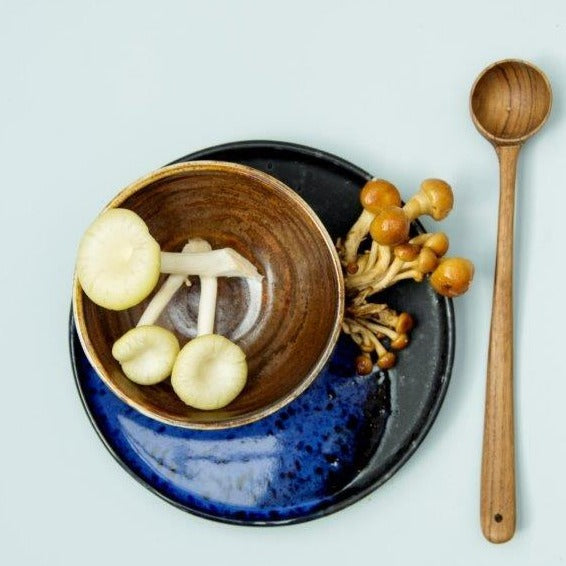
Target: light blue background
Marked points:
95	94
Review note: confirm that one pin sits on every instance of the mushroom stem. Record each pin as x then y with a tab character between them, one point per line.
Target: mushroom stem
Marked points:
223	262
368	260
161	299
385	359
354	327
415	274
373	255
375	284
402	323
208	291
207	305
355	236
433	198
387	281
416	206
368	275
378	329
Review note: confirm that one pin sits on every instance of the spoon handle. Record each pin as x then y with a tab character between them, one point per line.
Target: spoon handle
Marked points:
498	459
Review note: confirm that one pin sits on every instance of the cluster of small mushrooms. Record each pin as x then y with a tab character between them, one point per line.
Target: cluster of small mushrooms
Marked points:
118	266
394	256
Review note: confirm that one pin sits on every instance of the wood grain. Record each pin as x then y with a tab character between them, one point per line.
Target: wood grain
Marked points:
498	460
510	101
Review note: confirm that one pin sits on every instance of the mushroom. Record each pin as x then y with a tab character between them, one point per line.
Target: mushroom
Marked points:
407	252
452	277
374	196
390	227
119	262
368	342
364	364
367	324
434	198
425	262
210	370
146	354
436	241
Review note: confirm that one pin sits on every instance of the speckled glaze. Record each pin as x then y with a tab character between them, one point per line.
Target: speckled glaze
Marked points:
341	439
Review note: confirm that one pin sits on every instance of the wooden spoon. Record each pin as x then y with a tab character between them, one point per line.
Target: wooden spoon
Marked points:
509	102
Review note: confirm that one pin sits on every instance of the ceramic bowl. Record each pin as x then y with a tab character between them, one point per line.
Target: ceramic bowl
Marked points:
288	325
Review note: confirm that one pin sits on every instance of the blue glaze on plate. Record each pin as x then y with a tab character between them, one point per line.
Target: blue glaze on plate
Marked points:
341	439
287	466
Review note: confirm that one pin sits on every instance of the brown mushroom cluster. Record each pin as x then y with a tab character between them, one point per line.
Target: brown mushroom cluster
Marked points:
394	256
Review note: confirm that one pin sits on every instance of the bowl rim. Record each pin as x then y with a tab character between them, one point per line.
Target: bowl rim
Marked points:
273	183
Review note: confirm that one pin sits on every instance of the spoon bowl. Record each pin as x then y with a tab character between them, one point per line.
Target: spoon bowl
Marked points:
510	101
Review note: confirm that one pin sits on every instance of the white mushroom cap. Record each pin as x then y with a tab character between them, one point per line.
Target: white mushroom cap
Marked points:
146	354
210	372
118	260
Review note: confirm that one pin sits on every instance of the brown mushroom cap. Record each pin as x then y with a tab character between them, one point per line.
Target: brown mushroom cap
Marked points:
390	227
364	365
452	277
438	243
378	194
427	261
352	268
439	194
407	252
405	323
400	342
387	360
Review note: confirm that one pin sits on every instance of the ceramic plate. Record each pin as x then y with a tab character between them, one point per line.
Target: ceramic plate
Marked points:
340	440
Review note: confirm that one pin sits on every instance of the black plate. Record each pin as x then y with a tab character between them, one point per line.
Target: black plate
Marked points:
343	438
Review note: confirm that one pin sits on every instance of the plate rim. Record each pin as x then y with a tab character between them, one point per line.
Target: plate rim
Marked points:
349	498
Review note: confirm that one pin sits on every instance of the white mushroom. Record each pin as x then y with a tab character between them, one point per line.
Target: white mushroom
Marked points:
146	354
119	262
210	370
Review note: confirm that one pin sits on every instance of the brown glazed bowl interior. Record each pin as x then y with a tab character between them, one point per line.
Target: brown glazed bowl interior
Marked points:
287	325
